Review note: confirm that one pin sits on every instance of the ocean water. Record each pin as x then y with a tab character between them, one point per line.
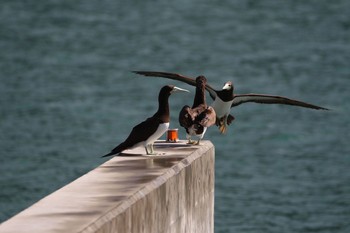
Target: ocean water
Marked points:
65	83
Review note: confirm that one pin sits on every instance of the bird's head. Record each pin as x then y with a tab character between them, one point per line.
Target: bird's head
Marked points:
201	81
228	86
169	89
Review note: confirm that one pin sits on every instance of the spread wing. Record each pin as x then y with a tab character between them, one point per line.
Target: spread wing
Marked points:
178	77
271	99
238	99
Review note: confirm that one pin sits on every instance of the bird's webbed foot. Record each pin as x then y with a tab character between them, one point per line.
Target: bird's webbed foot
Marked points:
197	142
150	150
221	123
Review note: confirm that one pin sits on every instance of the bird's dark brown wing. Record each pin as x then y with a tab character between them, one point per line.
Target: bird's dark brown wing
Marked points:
271	99
138	132
186	117
207	117
178	77
137	135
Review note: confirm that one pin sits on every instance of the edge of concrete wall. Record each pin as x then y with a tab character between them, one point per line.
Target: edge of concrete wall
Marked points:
173	192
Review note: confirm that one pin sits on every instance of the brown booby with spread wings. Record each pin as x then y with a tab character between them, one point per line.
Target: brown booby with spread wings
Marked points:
225	99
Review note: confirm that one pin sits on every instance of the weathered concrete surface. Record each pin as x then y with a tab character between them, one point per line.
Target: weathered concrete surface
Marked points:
169	193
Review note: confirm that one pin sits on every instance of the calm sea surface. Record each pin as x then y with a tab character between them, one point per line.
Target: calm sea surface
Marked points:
65	83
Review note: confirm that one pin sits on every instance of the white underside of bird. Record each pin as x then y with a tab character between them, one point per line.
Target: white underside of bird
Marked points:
148	144
221	108
192	132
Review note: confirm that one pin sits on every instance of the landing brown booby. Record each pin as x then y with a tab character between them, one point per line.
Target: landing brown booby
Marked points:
197	119
148	131
225	99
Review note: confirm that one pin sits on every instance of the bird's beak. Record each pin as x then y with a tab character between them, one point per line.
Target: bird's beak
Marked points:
176	89
227	86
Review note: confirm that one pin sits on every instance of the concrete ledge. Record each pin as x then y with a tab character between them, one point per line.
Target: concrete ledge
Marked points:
170	193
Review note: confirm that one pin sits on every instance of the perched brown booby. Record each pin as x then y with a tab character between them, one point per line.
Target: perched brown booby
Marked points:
225	99
148	131
197	119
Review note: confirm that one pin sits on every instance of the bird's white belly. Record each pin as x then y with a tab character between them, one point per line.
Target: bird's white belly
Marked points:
221	108
162	128
192	131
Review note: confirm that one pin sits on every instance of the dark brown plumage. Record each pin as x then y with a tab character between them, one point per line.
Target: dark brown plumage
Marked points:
225	99
148	131
197	119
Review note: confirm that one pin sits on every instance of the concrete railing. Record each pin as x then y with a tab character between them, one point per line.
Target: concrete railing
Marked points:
170	193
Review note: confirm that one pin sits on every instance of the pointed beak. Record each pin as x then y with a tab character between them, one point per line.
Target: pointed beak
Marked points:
176	89
227	86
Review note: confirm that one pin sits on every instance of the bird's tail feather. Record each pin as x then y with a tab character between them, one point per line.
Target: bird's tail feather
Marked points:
116	150
106	155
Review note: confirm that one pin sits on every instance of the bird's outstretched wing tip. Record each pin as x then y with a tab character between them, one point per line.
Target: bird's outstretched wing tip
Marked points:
326	109
138	72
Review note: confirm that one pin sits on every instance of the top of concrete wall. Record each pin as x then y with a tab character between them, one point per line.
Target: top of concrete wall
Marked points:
93	199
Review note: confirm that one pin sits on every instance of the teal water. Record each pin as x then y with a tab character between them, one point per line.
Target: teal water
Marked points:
64	80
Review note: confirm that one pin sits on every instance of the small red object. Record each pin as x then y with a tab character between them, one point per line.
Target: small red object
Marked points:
172	135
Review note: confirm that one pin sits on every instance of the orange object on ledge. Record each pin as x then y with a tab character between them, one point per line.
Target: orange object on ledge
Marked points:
172	135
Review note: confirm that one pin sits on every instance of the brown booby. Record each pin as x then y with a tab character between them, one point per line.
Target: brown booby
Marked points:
148	131
197	119
225	99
